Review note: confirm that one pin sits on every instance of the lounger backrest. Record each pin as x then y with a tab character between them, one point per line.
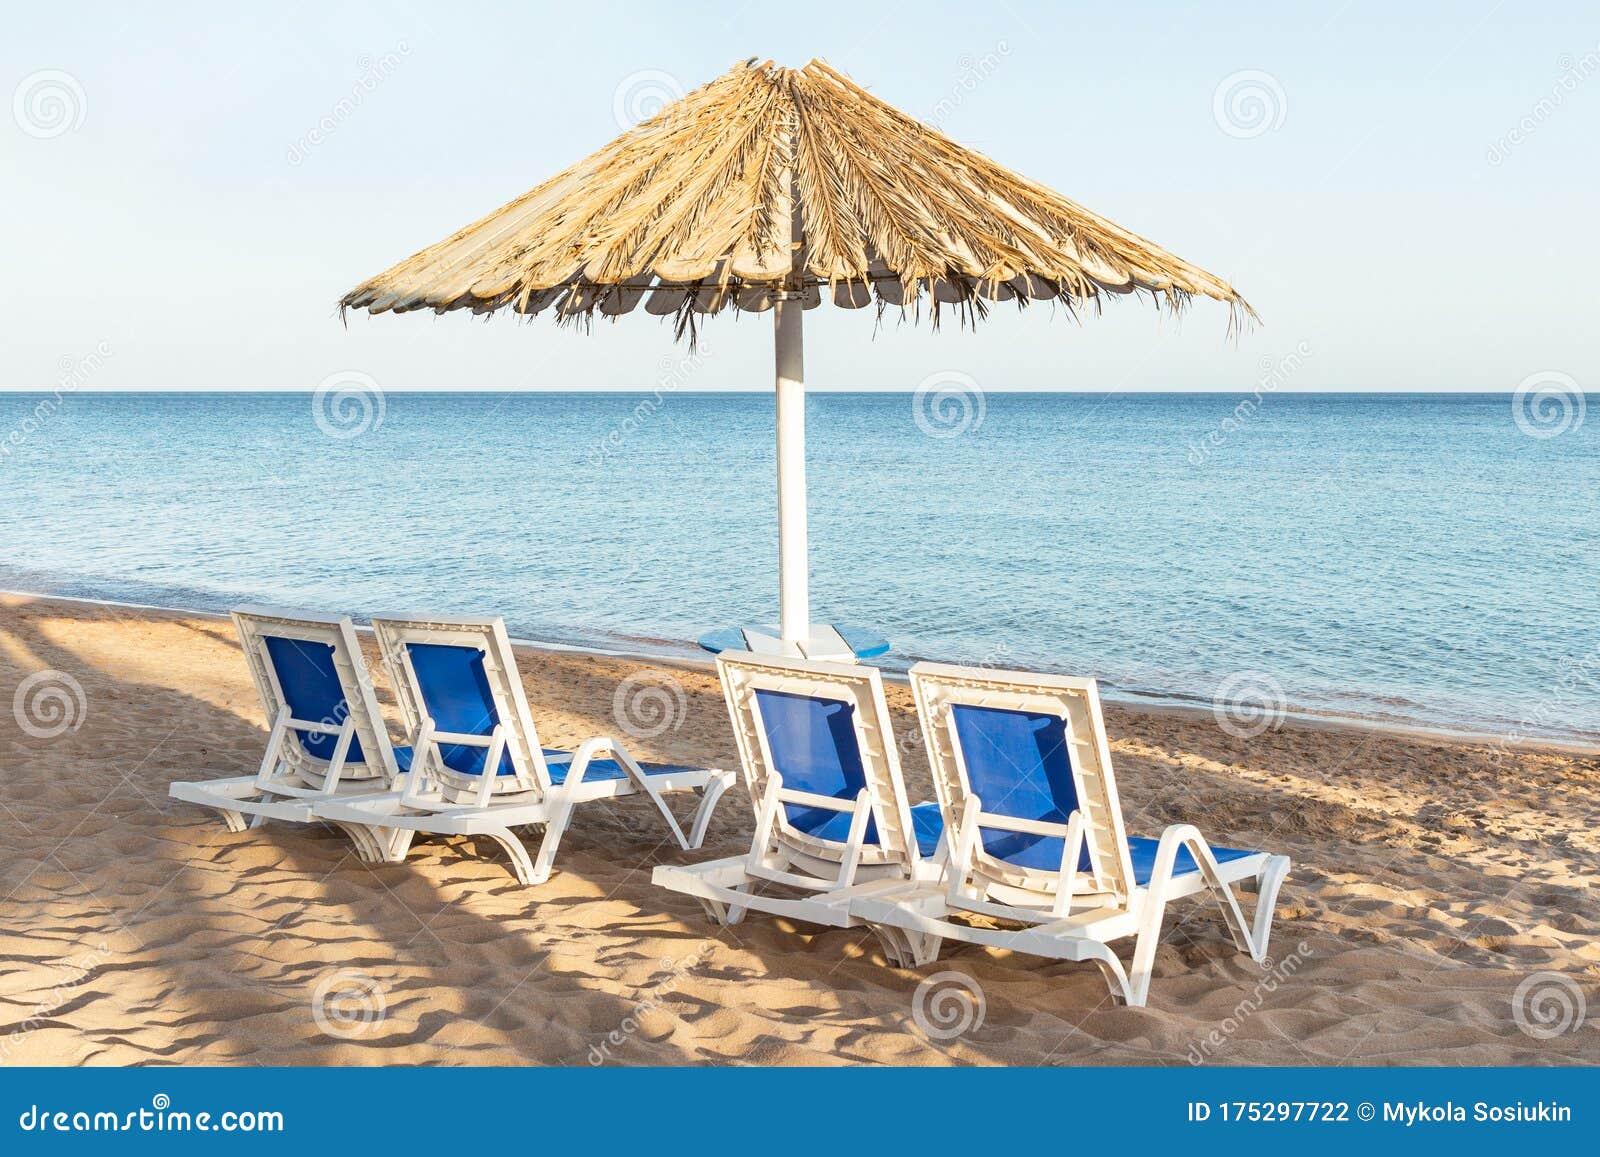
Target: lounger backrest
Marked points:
312	664
1029	747
461	673
824	727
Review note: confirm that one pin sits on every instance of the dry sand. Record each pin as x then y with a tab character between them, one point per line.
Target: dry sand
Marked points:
1430	880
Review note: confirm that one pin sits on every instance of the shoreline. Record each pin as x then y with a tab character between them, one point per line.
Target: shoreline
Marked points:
1139	702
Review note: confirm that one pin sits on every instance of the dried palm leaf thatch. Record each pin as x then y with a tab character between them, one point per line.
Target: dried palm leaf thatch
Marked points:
774	181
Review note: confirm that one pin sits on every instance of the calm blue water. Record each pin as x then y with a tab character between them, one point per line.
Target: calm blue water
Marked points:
1415	558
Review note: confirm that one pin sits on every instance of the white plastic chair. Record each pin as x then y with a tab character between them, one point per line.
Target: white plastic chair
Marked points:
474	766
819	761
1023	773
326	738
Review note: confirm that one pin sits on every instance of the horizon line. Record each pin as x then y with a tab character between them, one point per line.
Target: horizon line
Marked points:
1350	391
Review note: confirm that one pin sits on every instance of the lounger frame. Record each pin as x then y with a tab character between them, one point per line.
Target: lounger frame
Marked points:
829	874
291	780
436	799
1063	913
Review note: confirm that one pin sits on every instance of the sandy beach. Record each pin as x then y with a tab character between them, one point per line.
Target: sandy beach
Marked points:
1431	879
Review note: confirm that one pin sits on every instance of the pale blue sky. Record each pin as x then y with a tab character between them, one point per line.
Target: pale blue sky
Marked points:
1369	222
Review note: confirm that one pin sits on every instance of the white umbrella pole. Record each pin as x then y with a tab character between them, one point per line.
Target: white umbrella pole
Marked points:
794	600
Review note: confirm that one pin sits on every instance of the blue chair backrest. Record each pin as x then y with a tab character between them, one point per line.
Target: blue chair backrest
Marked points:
814	748
456	695
310	684
1019	764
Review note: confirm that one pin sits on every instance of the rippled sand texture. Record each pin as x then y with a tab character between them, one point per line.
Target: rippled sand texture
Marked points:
1430	881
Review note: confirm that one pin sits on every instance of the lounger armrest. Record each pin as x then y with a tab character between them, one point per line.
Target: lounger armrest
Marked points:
1006	823
1175	838
811	799
461	739
599	746
641	781
269	758
415	781
588	750
767	819
491	765
341	752
318	727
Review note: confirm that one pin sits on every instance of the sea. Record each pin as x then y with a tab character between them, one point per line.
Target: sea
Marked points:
1427	560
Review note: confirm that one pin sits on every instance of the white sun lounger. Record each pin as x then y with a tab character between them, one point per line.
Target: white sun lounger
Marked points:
832	822
1023	774
475	766
327	739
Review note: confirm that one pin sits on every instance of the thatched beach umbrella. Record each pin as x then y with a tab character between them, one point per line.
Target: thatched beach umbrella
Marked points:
761	191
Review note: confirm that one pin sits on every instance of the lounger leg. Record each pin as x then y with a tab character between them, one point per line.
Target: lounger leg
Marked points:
1155	908
368	842
544	862
1132	994
1267	882
719	912
1245	938
396	845
709	795
520	863
1136	986
373	845
906	949
235	821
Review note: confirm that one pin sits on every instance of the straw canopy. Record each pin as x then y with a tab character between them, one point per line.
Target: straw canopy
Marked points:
781	184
